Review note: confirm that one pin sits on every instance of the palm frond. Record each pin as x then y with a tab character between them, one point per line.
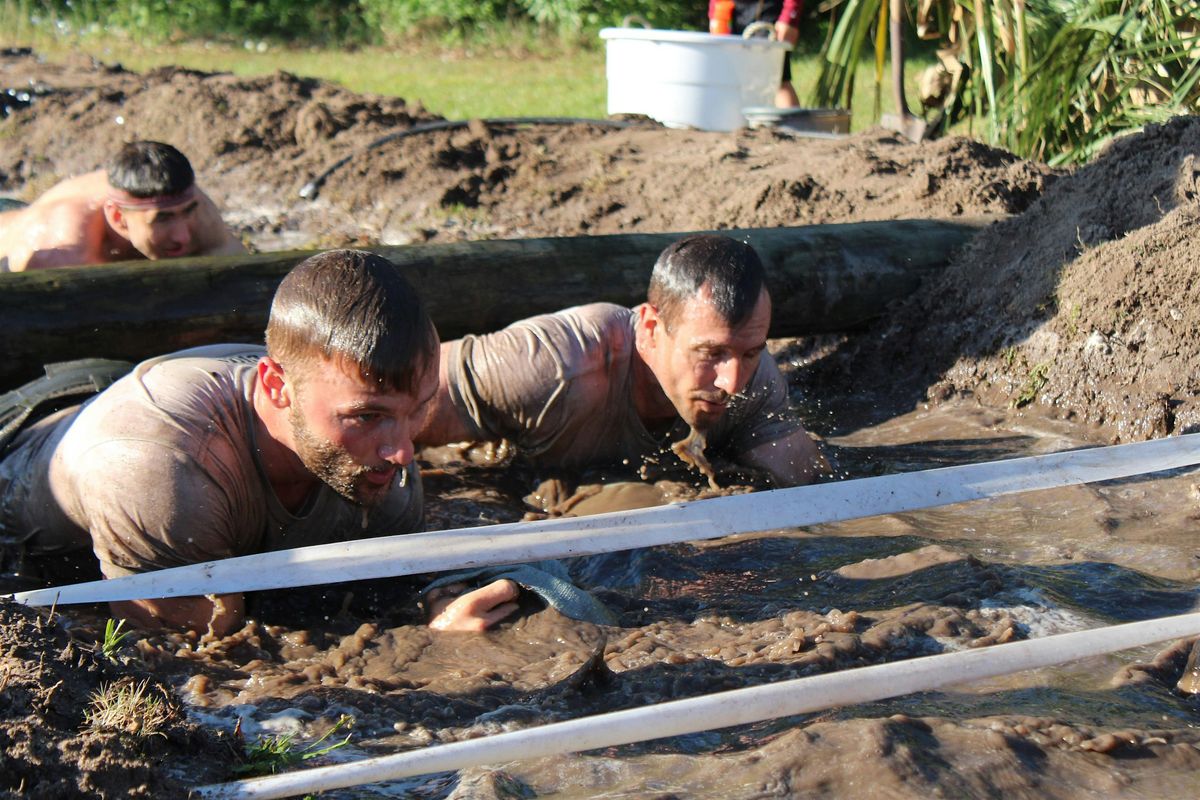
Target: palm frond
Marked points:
1054	79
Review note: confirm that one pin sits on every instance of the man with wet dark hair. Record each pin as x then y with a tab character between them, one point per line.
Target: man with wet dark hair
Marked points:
146	205
150	169
600	384
732	271
229	450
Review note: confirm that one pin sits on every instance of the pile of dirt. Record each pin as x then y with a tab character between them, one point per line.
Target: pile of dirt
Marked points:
255	142
536	180
1085	307
51	748
246	137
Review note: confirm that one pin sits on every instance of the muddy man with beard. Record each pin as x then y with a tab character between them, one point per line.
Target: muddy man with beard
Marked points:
602	384
229	450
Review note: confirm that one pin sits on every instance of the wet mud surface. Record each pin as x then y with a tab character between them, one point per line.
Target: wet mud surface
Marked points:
751	609
1093	278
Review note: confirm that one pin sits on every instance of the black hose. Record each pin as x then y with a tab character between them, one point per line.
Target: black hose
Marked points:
309	190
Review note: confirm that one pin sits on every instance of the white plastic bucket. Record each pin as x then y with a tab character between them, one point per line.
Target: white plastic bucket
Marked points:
686	79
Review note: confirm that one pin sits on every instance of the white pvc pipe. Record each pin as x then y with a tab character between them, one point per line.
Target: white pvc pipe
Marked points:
721	710
518	542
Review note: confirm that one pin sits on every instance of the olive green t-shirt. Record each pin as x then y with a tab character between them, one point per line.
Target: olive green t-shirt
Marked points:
160	470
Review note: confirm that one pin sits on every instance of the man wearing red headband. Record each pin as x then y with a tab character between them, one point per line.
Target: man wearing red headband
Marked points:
146	205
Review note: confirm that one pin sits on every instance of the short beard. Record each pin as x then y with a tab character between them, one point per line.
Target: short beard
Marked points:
332	464
705	422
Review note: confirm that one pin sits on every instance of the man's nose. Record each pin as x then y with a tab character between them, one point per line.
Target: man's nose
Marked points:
397	448
182	234
731	375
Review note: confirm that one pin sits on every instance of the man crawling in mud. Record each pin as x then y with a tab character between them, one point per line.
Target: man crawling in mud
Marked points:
228	450
601	384
146	205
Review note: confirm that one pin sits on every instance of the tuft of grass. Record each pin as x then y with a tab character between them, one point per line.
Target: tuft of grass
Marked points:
128	706
1073	320
271	754
113	639
1039	374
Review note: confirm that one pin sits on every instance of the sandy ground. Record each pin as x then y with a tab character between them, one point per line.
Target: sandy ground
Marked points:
1081	308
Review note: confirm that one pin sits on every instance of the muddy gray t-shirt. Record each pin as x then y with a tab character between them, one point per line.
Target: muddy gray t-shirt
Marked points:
560	387
160	470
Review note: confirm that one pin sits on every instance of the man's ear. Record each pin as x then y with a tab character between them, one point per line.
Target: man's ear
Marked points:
274	383
116	218
648	325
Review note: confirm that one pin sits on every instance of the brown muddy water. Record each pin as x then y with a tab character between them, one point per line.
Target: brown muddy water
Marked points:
751	609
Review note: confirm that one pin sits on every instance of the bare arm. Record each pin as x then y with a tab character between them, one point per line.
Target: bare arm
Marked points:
793	460
62	233
219	614
216	239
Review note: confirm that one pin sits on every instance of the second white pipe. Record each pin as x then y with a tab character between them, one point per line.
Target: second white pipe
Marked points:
722	710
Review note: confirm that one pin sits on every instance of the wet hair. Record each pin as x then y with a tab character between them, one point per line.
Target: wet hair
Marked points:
150	169
357	308
730	269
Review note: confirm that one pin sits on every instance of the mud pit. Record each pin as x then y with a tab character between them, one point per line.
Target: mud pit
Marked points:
1094	277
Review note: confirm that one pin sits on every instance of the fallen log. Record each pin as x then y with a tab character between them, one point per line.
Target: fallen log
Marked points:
822	277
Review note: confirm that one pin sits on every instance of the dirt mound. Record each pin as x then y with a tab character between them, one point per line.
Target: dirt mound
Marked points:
256	141
49	747
246	137
540	180
1086	306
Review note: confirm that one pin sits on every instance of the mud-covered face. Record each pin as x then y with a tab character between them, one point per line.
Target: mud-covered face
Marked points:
353	435
168	232
700	361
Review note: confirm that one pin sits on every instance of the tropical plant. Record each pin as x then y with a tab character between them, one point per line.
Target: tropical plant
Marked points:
1053	79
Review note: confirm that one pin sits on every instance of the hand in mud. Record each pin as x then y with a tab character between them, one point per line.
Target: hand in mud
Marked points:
478	610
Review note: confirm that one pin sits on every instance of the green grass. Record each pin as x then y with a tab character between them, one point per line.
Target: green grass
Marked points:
272	754
491	79
128	706
113	639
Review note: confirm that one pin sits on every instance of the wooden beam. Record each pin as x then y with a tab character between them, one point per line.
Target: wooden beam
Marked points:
822	278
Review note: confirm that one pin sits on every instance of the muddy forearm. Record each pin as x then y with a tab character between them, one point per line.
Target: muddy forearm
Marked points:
222	614
791	461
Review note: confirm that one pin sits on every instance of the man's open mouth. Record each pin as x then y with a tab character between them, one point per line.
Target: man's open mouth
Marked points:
380	476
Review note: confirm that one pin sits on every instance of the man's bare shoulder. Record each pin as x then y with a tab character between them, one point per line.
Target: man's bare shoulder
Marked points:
90	187
215	237
65	232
